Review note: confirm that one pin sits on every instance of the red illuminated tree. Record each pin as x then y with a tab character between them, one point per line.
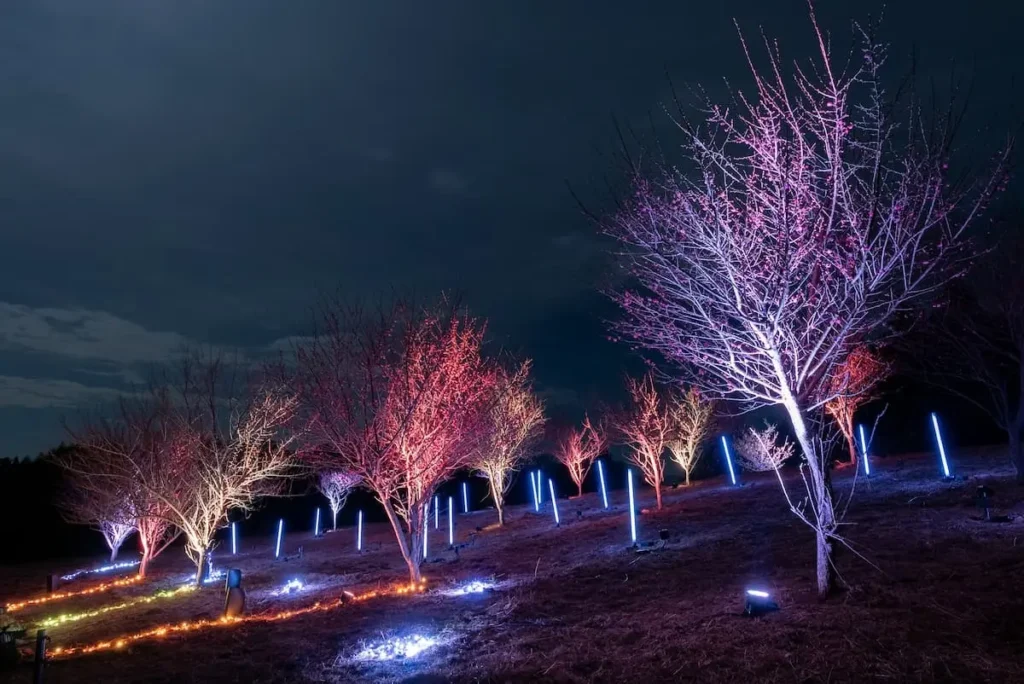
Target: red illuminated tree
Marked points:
803	221
514	422
400	397
577	450
336	485
646	427
691	417
854	383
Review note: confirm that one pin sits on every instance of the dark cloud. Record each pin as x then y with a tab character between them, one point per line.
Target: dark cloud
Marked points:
197	171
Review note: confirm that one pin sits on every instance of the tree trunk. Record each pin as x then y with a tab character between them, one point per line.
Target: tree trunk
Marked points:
851	441
200	562
687	474
1016	451
579	488
821	492
113	553
411	555
144	559
498	503
657	493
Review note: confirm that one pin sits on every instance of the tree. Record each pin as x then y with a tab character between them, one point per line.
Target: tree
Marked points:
105	508
853	384
400	397
646	427
690	417
513	425
805	223
760	451
975	344
336	485
577	450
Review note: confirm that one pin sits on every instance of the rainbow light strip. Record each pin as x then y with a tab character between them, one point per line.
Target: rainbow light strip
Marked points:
98	589
199	625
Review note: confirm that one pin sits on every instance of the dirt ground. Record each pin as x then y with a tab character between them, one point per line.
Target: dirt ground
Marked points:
936	597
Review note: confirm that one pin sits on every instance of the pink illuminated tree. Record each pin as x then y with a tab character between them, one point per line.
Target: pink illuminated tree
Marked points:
646	427
806	218
577	450
401	399
854	383
336	485
514	421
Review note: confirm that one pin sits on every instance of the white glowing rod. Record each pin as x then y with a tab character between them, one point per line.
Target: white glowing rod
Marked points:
426	521
280	533
757	593
604	491
451	524
316	524
234	540
540	486
942	448
533	488
554	503
359	533
632	507
435	512
465	498
728	460
864	450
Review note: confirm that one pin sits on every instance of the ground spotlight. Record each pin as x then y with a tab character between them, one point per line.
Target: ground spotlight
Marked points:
758	602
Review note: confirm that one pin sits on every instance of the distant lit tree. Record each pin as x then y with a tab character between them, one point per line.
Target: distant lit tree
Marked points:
336	485
646	427
691	417
854	383
807	215
577	450
761	451
107	509
514	421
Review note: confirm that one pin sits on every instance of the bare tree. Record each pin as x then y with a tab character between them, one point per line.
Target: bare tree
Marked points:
107	509
400	397
855	383
336	485
691	417
646	427
807	221
760	450
514	422
577	450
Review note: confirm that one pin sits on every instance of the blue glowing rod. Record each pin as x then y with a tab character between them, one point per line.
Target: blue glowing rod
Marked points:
604	490
533	488
465	497
426	521
632	506
359	532
864	450
540	486
316	524
234	540
554	503
942	448
435	512
280	533
728	460
451	523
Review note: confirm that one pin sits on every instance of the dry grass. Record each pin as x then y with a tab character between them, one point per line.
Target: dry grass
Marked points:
578	607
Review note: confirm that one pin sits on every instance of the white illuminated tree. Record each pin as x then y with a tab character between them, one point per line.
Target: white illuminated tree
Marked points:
336	485
514	422
646	427
577	450
760	450
106	509
691	417
807	217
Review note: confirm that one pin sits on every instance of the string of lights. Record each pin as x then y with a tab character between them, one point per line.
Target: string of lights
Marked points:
92	571
66	618
99	588
199	625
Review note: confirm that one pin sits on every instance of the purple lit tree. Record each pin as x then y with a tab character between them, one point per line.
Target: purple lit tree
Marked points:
336	485
806	221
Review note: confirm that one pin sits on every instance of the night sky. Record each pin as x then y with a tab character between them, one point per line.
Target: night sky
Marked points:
177	172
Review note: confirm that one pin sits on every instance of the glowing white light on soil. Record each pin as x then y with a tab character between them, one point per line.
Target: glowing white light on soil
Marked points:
292	586
604	490
397	648
864	450
728	460
554	503
758	593
474	587
280	533
632	507
942	448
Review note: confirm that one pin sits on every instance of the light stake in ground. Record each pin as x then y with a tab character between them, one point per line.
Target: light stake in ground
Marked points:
234	540
451	523
280	534
864	450
465	497
359	532
554	502
600	476
426	527
316	524
533	490
435	512
632	507
942	448
728	460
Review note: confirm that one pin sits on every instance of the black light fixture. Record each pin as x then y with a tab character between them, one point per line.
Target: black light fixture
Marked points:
758	603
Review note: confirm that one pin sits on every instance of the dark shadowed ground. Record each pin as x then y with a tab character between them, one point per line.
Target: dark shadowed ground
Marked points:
936	598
